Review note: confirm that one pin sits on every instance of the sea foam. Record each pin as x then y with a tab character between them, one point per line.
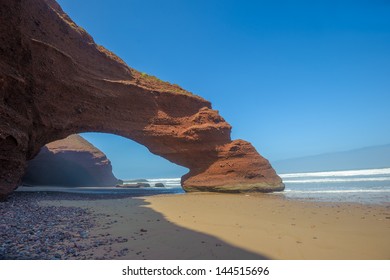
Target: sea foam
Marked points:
347	173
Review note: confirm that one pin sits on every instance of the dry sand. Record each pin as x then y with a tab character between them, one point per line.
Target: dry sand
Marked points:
227	226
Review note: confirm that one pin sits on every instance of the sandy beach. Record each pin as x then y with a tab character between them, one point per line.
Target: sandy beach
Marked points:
222	226
277	228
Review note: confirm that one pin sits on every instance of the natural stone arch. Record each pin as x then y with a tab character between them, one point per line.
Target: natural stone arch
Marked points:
55	81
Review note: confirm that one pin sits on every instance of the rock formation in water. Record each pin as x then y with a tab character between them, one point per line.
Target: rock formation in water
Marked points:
73	162
56	81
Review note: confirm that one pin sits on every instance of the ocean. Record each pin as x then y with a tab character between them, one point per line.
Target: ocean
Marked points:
368	186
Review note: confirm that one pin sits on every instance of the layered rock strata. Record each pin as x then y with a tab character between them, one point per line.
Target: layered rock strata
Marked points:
72	161
56	81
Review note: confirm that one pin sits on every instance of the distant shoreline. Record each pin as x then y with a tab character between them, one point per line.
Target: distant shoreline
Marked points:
367	186
101	190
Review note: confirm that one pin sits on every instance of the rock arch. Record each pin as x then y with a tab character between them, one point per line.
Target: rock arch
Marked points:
56	81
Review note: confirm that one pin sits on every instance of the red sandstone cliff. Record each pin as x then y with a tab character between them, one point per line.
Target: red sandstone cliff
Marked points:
56	81
72	161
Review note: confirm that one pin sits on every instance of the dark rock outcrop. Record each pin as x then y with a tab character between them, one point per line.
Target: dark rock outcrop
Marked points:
72	161
56	81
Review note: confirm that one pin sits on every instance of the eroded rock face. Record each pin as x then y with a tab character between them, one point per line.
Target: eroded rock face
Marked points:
55	81
72	161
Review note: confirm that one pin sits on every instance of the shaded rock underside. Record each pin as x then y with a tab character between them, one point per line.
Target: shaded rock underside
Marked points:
72	161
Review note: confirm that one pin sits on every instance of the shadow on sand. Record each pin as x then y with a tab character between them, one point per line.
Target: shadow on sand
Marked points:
142	232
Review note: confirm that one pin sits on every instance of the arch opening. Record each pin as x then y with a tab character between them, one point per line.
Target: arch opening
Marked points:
131	160
102	163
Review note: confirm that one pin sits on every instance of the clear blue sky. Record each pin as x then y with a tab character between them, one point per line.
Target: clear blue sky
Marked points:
295	78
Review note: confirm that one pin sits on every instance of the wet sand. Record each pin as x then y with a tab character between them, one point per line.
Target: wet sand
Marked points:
222	226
